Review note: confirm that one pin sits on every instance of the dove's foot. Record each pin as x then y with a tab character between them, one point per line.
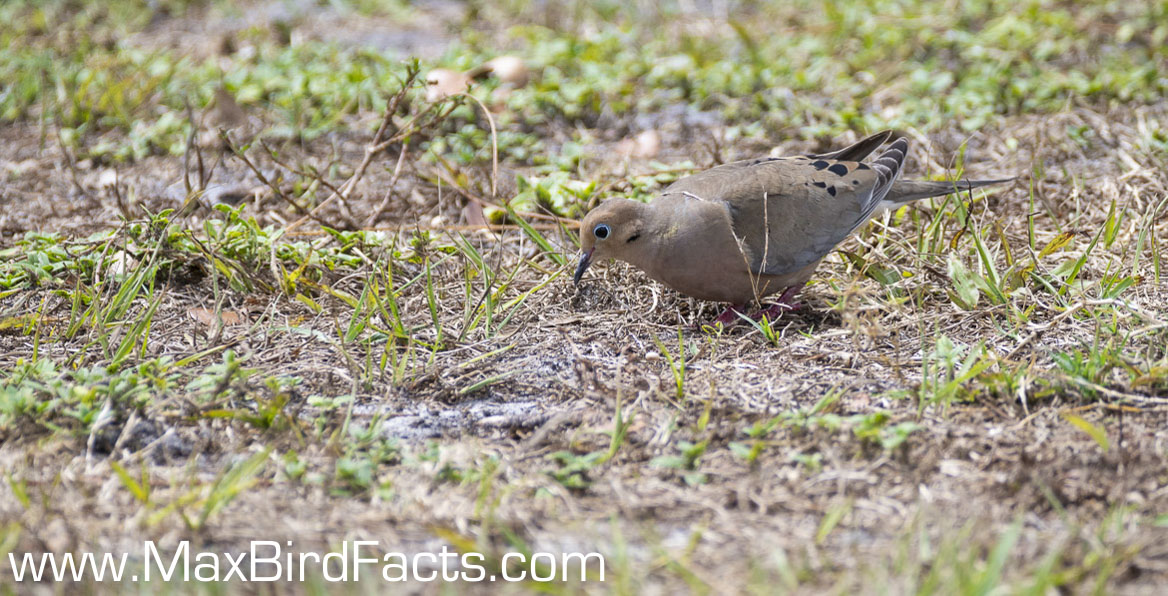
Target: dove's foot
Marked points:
775	311
786	303
731	315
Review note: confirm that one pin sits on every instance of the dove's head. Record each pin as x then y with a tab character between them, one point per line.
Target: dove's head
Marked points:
613	230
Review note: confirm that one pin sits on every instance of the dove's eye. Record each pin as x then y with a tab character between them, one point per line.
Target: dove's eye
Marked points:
602	231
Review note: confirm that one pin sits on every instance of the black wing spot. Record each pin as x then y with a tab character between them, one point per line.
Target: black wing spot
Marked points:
819	165
633	237
820	184
831	190
856	182
839	169
862	166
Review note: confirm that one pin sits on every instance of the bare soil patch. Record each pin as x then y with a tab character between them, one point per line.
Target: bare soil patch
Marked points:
475	426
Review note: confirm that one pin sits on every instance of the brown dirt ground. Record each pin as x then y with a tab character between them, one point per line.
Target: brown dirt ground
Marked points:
971	471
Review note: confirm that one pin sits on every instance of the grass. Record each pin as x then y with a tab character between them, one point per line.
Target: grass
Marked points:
381	338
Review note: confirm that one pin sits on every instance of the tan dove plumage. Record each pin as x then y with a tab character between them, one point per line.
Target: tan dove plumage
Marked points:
745	230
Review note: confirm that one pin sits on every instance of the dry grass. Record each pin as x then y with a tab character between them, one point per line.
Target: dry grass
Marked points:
881	439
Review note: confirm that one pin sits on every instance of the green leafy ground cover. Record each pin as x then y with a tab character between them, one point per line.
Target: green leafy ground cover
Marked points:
300	330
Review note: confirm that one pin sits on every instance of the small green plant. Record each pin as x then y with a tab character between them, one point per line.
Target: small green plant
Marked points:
818	415
685	461
1096	432
218	379
758	434
947	371
202	501
874	428
360	470
1090	368
812	463
676	363
831	519
764	326
573	470
270	411
59	399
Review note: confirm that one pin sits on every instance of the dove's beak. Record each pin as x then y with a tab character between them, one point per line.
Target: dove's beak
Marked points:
585	261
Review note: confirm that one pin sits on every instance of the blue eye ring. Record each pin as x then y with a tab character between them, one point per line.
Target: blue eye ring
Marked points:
602	231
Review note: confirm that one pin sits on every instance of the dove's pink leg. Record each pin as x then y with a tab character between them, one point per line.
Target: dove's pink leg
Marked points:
786	303
730	316
773	312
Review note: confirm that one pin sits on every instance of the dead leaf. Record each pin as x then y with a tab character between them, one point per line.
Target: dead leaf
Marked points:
206	316
472	213
643	146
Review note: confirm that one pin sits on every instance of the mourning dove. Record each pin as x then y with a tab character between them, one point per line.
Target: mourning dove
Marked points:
745	230
441	83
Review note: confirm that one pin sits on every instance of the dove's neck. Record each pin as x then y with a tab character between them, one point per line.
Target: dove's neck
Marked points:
654	229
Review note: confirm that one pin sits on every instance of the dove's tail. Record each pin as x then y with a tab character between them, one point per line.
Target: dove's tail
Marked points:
905	191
